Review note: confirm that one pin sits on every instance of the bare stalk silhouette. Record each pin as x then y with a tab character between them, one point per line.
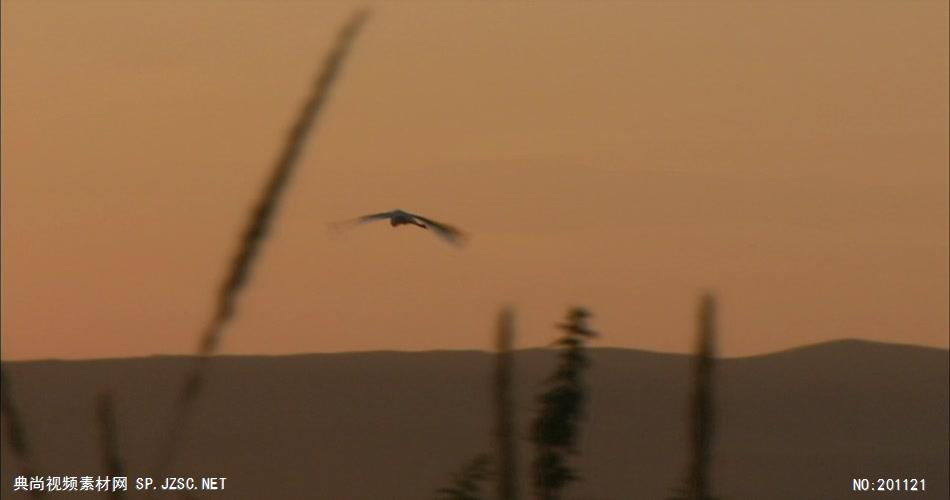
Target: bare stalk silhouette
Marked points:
16	434
701	413
257	227
505	425
108	435
465	483
556	428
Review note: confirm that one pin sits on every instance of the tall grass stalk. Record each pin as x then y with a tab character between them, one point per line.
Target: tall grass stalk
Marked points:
701	411
259	224
505	424
14	428
109	439
556	429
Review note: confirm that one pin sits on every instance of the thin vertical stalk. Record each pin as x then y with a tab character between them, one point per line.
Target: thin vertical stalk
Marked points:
702	415
701	410
505	424
108	436
16	433
258	225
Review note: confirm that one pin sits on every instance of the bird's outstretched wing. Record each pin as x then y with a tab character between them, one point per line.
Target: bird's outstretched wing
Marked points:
451	234
348	224
372	217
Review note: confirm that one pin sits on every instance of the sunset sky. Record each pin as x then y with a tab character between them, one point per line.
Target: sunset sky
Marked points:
792	156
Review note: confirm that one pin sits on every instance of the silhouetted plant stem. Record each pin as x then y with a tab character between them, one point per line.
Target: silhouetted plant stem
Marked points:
505	425
108	435
258	226
16	433
701	412
556	428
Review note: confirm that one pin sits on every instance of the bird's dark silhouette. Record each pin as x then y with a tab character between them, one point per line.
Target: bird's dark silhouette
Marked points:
400	217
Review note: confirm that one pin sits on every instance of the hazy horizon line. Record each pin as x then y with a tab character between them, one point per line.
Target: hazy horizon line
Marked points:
843	340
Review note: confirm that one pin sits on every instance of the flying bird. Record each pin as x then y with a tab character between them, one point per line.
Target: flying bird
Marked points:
400	218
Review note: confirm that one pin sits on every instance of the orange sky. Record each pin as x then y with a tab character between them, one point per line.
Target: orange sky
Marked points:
620	155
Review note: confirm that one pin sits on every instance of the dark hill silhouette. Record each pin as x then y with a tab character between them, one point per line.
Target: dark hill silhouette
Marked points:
798	424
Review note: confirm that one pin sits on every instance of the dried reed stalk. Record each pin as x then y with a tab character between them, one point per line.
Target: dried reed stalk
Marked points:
701	410
16	433
505	424
556	428
702	414
108	435
258	225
